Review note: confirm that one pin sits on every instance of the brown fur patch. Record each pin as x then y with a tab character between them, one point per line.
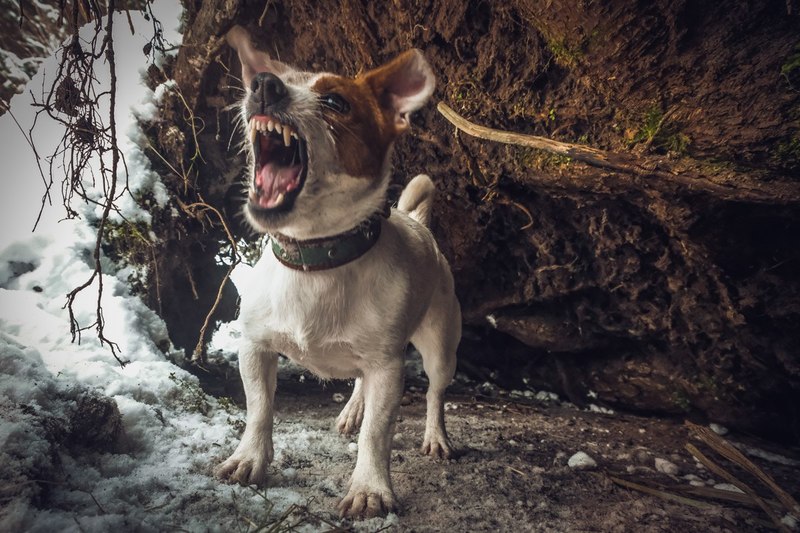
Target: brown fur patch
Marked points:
365	133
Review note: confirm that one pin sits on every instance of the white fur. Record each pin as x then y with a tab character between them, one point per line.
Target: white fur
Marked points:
353	321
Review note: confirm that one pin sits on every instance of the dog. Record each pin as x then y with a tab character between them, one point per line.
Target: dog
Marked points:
346	285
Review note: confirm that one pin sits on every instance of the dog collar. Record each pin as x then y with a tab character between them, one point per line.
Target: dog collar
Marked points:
327	252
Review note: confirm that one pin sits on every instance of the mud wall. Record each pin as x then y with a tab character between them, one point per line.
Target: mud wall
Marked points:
677	302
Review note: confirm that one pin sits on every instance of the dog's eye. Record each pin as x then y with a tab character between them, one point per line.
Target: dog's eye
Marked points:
335	102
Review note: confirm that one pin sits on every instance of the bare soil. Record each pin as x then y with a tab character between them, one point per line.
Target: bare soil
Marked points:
511	471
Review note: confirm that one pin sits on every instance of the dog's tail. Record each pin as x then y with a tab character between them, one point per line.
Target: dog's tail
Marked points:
417	199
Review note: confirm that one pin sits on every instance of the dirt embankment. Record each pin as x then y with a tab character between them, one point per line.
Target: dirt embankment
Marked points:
575	278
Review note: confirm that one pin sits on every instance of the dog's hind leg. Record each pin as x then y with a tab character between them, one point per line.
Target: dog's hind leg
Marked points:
349	420
436	339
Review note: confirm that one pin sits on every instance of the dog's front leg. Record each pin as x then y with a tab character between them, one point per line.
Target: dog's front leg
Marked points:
370	491
248	464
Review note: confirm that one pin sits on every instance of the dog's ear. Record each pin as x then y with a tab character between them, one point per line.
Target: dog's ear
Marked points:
402	85
253	61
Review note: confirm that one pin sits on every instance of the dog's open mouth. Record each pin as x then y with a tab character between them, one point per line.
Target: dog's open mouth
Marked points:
280	163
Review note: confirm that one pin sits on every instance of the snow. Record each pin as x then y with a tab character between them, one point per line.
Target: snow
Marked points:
157	475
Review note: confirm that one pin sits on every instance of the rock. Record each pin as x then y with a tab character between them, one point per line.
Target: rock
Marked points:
581	461
642	457
666	467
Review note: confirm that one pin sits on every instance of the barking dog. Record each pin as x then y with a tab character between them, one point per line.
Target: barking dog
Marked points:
344	288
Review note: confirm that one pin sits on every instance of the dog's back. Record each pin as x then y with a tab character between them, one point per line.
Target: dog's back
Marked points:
417	199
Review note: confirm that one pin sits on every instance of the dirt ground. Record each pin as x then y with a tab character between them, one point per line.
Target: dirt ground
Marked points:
511	471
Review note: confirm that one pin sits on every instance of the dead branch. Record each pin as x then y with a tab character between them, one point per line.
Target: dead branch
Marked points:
661	494
727	450
197	210
73	101
670	179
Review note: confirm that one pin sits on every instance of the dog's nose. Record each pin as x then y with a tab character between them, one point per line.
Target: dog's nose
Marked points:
268	88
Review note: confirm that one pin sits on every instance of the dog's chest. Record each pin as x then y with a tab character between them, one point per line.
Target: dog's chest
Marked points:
328	322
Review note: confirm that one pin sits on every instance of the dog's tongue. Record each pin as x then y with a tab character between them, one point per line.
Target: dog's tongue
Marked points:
274	182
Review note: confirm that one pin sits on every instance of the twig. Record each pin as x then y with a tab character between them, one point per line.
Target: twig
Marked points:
726	495
730	478
727	450
645	169
199	349
662	494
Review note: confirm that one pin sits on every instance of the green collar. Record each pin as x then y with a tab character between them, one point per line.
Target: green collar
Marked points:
327	252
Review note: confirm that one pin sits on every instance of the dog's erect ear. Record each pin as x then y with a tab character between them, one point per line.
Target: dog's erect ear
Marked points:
402	85
253	61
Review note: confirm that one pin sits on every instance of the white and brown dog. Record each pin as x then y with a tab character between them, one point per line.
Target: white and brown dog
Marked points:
345	288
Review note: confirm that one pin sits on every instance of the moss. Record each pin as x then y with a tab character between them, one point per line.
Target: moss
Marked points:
190	396
569	53
681	400
791	67
465	96
565	54
541	160
655	131
128	243
787	154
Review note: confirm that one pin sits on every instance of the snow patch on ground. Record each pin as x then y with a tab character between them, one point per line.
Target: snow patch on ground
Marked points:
157	473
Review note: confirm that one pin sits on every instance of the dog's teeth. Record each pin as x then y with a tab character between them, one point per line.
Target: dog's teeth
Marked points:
253	133
278	200
287	136
278	127
270	125
295	136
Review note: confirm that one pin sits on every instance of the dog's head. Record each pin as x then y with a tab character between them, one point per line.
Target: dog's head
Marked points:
320	144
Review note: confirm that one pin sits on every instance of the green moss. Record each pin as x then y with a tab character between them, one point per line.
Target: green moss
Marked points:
128	243
465	96
541	160
190	396
655	131
787	154
564	53
681	400
649	126
791	67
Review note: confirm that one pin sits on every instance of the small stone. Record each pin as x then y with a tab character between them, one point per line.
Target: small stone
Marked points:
666	467
338	397
729	487
581	461
641	457
719	430
789	521
353	447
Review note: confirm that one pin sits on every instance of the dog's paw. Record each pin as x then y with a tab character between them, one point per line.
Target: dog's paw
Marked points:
349	420
437	446
243	470
367	504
